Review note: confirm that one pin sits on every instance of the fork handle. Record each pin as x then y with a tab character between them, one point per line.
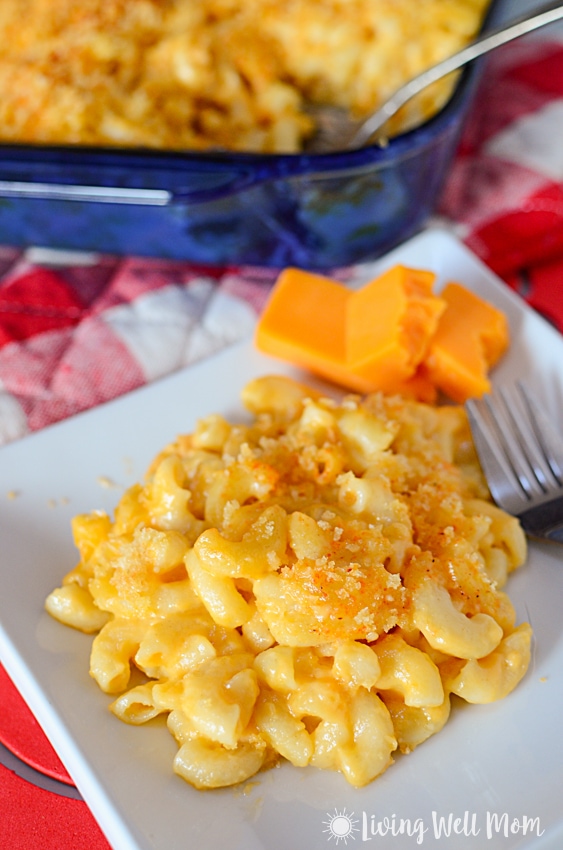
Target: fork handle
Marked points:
545	520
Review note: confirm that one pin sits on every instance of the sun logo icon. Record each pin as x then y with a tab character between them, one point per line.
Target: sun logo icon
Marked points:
341	826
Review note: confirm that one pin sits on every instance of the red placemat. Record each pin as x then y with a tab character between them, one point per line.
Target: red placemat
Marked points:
31	816
34	819
22	735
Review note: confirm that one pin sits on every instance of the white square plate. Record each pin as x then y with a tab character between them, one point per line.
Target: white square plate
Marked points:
489	761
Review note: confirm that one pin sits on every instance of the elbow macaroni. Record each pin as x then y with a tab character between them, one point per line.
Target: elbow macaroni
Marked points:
312	586
215	74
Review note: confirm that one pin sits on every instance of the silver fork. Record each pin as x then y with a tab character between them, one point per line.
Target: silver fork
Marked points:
522	458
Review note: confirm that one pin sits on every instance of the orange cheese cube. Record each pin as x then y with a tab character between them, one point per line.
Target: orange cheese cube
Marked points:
366	340
303	322
393	334
389	324
470	338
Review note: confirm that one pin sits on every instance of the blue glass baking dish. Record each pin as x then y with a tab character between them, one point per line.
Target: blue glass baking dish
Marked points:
313	211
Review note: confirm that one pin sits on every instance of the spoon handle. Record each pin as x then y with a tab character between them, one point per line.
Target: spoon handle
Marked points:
548	14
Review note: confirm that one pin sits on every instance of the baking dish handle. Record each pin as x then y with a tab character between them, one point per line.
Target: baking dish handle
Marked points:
36	190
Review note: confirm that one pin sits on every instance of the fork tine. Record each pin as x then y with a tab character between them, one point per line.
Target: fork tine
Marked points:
522	458
520	452
549	442
521	442
503	482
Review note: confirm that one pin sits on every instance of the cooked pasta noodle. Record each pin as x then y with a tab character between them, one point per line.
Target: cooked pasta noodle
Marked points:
313	585
198	74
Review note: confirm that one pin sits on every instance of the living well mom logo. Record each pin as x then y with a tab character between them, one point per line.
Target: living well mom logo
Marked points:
342	827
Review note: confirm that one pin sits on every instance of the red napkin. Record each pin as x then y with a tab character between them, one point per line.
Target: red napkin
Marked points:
30	816
22	735
34	818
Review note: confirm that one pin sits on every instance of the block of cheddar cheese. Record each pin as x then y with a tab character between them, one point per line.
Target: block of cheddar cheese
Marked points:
392	335
370	339
389	324
303	322
470	338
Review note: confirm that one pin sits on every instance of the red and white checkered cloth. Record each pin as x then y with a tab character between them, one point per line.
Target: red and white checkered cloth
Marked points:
78	329
504	195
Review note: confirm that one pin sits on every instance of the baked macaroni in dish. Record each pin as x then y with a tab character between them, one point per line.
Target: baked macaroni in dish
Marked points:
198	74
317	584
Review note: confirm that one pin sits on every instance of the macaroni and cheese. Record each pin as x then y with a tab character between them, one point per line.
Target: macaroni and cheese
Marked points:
317	584
198	74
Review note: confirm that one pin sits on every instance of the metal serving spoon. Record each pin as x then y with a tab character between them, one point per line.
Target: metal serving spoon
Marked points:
337	131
